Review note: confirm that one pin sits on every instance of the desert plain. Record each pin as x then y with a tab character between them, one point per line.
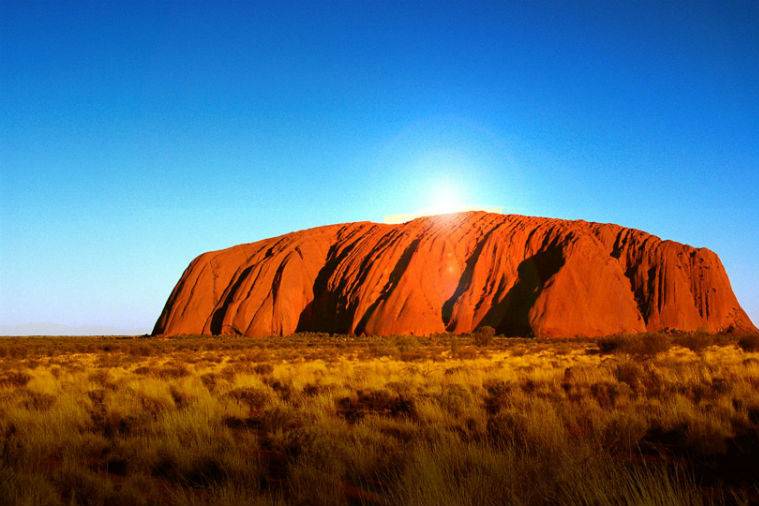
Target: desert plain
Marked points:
658	418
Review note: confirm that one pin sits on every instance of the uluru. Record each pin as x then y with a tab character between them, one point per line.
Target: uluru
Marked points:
523	276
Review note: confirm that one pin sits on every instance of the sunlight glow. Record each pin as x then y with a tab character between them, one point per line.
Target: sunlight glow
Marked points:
443	197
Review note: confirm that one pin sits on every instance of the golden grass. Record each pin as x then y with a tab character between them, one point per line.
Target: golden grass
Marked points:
314	419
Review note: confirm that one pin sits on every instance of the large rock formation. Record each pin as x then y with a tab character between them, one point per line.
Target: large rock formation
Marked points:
520	275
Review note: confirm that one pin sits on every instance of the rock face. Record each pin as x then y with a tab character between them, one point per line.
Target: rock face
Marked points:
521	275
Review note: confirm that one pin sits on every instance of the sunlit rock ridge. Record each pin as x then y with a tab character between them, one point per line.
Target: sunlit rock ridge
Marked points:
524	276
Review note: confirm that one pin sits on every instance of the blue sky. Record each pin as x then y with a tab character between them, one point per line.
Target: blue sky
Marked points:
135	136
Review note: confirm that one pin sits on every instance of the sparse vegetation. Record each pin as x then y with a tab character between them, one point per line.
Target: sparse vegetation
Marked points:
319	419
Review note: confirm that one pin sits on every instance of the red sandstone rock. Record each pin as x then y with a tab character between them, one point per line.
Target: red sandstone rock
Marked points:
520	275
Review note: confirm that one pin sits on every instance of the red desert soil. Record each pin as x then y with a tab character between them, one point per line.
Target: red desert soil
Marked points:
521	275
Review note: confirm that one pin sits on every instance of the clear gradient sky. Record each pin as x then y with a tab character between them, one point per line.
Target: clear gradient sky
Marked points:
135	136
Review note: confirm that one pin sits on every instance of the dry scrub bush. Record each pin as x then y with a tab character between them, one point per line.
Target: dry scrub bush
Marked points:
749	342
483	336
639	345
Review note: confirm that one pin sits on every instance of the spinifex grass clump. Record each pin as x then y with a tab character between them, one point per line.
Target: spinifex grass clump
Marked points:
317	419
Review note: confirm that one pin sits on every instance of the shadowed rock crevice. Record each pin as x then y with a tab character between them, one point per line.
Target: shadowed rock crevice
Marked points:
466	277
511	315
217	318
395	276
325	312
